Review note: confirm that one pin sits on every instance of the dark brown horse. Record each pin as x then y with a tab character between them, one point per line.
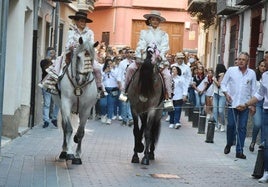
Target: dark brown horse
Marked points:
145	95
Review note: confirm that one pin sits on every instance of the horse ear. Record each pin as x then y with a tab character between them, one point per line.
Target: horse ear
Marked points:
96	44
81	41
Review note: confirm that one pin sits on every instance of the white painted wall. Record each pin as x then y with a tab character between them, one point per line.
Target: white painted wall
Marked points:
17	63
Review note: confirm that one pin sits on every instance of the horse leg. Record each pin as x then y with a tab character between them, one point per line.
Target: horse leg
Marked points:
78	138
147	134
67	133
138	146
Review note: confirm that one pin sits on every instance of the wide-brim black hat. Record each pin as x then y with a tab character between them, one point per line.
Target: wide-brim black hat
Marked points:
80	15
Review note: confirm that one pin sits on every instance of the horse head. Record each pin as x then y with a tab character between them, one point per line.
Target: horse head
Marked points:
152	54
82	61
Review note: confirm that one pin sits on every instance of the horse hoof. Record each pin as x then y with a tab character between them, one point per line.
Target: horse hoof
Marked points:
139	148
77	161
151	156
63	155
75	139
70	157
135	159
145	161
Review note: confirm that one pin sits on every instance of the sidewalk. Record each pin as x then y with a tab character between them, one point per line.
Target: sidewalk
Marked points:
182	159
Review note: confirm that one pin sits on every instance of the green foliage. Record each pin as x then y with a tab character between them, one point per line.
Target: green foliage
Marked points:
205	13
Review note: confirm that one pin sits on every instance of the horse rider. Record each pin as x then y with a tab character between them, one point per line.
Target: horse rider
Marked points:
153	35
80	30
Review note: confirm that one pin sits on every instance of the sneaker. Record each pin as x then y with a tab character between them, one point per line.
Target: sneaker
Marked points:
103	119
46	124
251	147
120	118
123	97
222	129
114	118
130	123
168	105
168	118
171	126
55	122
264	178
177	125
109	121
124	123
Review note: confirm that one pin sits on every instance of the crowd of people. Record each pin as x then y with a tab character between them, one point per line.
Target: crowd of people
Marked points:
237	88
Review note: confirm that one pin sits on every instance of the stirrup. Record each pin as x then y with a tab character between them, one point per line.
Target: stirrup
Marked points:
123	97
168	105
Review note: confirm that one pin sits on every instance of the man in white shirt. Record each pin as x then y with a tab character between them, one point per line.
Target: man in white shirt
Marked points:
238	86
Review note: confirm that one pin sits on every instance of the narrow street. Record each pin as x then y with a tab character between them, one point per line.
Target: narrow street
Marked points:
182	159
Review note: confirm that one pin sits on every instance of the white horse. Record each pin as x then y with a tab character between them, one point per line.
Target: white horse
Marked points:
77	93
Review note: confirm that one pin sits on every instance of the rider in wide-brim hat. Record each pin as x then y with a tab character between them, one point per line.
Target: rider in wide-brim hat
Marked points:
80	15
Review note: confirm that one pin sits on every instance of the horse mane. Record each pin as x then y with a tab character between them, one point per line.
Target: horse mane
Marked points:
146	76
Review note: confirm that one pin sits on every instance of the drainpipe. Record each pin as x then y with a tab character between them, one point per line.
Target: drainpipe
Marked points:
34	56
4	7
241	32
56	30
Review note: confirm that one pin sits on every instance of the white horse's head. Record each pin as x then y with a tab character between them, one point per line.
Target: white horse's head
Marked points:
82	61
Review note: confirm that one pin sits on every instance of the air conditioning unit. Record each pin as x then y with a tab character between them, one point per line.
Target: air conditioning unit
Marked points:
187	25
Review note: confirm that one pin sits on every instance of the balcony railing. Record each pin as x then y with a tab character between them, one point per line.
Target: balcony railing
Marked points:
85	5
194	5
227	7
247	2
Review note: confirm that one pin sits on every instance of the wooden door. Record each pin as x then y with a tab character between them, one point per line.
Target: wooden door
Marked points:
174	30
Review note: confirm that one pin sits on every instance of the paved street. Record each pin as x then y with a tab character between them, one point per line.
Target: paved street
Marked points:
182	159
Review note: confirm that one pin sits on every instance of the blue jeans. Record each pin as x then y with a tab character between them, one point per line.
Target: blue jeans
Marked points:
103	106
126	112
117	105
110	102
175	115
46	107
191	95
237	124
200	101
265	136
219	108
257	121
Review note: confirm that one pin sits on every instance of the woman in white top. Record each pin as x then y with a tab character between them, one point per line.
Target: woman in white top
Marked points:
152	36
179	96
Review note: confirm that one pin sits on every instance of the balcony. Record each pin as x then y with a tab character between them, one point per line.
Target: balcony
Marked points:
103	3
227	7
85	5
247	2
195	5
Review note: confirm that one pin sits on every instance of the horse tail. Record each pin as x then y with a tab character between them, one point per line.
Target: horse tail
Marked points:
146	79
156	127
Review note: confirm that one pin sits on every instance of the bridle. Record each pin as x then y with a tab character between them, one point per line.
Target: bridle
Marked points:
89	78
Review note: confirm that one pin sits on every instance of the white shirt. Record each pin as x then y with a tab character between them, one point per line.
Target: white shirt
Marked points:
122	68
262	92
110	79
180	88
151	35
185	72
239	86
75	34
